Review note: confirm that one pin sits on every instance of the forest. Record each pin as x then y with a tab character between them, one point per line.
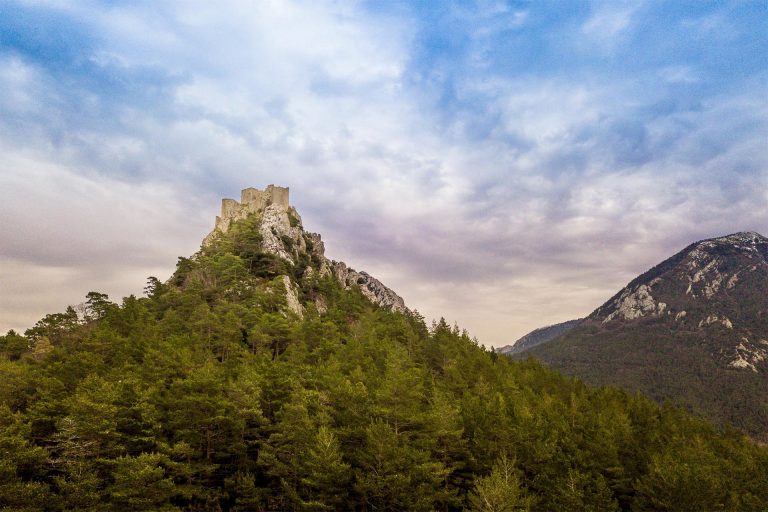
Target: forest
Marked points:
207	394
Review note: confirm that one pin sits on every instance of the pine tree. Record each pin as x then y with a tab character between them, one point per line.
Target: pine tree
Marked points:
501	491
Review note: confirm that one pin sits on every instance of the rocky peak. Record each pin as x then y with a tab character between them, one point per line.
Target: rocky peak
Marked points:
282	234
749	244
736	239
371	287
717	287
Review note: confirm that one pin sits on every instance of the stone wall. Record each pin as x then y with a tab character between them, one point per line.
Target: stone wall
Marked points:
252	200
277	195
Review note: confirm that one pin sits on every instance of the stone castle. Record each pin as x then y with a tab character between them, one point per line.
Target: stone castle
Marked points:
283	235
252	200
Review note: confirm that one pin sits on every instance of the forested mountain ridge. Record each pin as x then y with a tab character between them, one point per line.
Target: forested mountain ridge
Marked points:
214	392
538	336
693	330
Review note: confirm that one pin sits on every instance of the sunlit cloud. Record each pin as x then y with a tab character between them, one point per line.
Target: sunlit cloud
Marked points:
504	165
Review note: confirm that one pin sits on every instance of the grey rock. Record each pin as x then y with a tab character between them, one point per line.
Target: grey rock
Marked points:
283	235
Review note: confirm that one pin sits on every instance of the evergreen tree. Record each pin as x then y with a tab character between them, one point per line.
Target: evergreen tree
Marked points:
501	491
208	395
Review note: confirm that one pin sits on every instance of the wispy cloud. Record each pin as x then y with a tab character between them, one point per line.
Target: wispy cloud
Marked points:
504	165
611	21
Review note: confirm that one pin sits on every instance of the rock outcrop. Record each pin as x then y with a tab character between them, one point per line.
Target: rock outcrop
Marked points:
716	287
371	287
282	234
292	297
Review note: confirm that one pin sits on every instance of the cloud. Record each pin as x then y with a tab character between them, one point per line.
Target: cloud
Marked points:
66	234
678	74
610	22
456	155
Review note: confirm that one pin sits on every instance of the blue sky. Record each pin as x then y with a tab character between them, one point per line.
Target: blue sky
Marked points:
503	164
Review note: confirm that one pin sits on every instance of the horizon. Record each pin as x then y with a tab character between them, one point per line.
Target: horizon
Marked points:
506	165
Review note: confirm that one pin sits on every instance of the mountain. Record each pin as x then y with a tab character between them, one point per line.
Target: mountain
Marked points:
281	235
692	330
262	376
538	336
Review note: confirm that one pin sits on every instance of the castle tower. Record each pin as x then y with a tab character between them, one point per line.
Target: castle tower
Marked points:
252	200
277	195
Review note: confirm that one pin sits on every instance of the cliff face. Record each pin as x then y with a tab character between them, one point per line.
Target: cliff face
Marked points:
282	235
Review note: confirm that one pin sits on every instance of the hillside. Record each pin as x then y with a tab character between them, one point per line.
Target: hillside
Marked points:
263	377
692	330
538	336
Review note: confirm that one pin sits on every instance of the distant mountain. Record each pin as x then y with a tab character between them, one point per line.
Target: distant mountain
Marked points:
538	336
692	330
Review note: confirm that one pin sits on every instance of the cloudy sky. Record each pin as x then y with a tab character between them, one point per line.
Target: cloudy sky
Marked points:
504	164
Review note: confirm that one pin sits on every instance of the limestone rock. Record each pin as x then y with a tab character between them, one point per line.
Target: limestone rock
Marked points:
292	297
280	237
749	355
714	319
283	235
635	303
373	289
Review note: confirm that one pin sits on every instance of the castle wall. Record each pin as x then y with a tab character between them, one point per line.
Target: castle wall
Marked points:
229	208
252	200
278	195
253	196
222	224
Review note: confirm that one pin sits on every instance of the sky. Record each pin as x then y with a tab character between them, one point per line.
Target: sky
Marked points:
503	164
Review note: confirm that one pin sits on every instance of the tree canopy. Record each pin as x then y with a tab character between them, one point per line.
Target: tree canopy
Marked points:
208	395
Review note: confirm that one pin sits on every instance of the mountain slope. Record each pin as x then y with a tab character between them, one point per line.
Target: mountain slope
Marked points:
538	336
252	379
693	330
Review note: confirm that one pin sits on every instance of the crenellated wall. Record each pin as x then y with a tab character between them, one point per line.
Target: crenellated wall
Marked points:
252	200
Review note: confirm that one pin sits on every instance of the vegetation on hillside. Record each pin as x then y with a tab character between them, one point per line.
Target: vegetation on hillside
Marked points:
666	363
715	296
207	395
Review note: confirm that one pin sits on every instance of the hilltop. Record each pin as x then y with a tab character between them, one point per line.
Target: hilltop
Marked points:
275	228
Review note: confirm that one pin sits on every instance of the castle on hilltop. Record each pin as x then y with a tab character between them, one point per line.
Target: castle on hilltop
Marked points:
252	200
282	235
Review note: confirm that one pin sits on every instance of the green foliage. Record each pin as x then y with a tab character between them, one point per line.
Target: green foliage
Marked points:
56	327
141	483
97	305
501	491
205	395
666	362
13	346
292	219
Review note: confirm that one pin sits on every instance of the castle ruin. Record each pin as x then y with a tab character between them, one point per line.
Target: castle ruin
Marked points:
282	235
252	200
